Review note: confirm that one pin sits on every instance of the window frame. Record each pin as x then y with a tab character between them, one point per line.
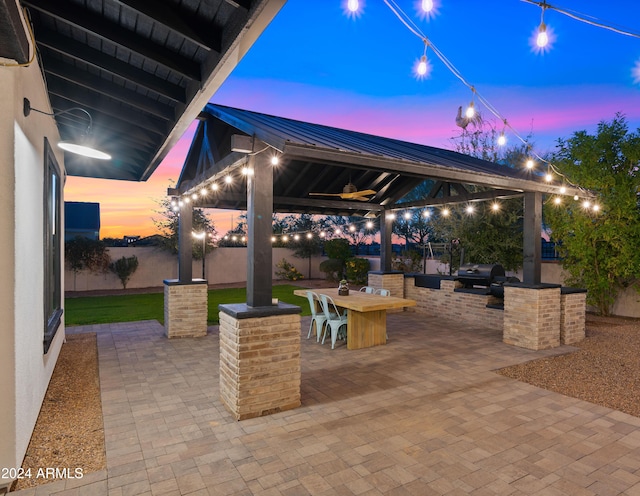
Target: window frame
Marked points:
52	245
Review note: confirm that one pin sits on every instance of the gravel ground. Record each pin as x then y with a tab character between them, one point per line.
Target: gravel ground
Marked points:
69	431
605	370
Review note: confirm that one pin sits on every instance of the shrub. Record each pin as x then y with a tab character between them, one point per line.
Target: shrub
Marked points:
357	270
287	271
332	268
124	268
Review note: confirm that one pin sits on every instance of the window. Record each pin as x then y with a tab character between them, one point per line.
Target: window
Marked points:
52	244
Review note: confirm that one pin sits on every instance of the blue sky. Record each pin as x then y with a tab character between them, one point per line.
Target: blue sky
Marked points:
315	63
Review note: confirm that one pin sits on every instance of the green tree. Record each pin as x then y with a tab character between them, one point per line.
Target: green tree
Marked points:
338	252
353	228
82	253
168	227
600	249
124	268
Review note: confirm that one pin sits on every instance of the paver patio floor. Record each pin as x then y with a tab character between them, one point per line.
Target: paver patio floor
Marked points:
423	415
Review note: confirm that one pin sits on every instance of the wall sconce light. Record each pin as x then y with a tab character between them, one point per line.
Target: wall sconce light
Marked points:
82	147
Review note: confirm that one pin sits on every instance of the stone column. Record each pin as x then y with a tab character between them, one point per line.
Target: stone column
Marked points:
573	305
185	308
259	359
391	280
532	315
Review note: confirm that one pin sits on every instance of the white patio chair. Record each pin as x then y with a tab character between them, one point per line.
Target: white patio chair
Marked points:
335	321
367	289
383	292
316	317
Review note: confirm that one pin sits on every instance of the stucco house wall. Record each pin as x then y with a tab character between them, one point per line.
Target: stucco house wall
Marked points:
25	370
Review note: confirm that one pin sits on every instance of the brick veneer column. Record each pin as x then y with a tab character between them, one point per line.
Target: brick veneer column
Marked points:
573	304
185	308
532	315
259	359
393	281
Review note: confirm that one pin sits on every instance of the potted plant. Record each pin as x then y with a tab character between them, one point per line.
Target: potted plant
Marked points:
343	289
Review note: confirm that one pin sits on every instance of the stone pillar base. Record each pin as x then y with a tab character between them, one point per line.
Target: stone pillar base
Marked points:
573	317
393	281
532	315
259	359
185	308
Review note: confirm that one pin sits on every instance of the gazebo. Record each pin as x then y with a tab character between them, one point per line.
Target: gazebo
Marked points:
245	146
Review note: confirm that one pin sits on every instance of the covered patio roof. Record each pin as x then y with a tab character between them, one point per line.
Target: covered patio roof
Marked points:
142	69
320	159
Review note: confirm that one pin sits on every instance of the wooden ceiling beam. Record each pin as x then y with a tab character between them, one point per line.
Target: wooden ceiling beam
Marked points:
80	52
176	22
96	25
95	84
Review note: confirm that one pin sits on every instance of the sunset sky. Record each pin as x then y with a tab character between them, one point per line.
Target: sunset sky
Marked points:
316	63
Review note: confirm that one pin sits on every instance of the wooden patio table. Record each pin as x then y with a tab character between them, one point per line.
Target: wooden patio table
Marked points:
366	314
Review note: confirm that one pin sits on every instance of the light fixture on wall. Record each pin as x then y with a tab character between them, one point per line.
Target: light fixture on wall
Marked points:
81	147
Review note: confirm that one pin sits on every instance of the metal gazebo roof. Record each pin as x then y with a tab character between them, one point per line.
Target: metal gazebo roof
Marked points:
317	158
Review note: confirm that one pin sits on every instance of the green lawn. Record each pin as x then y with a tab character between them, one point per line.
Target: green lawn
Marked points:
128	308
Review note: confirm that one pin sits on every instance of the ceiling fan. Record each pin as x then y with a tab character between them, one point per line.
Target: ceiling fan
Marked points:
350	192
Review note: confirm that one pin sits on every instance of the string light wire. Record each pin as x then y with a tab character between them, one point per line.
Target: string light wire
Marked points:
415	29
578	16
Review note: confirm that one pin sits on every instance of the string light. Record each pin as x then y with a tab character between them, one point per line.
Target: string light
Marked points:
203	192
502	139
542	39
427	5
424	67
471	111
530	164
228	179
214	187
495	206
470	209
194	196
548	177
445	212
369	225
407	215
557	200
275	160
426	214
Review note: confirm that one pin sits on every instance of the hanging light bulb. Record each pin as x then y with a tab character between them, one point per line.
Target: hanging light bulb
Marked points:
502	139
596	207
228	179
471	111
542	40
426	214
322	234
203	192
495	206
275	160
576	197
369	225
296	237
427	6
563	190
214	187
352	228
284	239
470	209
445	212
309	235
586	204
530	163
557	200
548	177
422	66
407	215
392	216
194	196
353	6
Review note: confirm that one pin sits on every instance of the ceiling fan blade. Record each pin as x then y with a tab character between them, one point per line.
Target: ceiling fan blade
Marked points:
361	198
367	192
325	194
354	195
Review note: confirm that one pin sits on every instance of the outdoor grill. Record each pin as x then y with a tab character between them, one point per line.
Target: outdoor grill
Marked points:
471	275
